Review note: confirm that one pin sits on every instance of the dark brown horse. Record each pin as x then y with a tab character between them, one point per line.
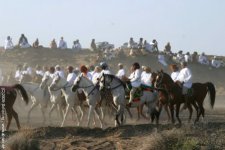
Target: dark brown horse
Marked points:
8	97
174	90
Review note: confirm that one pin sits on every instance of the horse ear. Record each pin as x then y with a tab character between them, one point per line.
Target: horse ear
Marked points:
161	70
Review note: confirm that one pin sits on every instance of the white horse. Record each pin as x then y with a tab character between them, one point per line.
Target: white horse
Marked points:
92	96
55	95
116	86
72	99
38	96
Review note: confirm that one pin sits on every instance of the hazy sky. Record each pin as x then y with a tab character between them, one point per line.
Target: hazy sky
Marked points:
188	25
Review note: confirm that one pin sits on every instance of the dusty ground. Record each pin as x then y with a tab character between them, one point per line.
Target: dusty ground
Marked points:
208	134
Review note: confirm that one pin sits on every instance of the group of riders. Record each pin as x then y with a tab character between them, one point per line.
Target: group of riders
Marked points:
139	79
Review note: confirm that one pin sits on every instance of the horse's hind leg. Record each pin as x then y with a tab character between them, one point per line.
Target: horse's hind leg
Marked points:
190	113
15	115
9	115
97	113
141	111
177	113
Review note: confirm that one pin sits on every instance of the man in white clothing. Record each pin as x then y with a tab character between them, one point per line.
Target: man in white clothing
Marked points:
62	44
105	68
59	71
96	74
215	62
8	43
185	78
18	74
175	72
135	79
146	76
203	59
121	73
71	75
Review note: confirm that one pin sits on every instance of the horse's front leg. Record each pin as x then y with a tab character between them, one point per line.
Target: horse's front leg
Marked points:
129	112
166	108
177	112
141	111
172	113
190	112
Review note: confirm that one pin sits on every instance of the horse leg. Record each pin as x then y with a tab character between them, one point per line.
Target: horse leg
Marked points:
172	113
50	112
97	113
141	111
43	109
9	115
138	111
177	113
81	115
31	108
68	107
90	112
128	110
15	115
167	112
190	112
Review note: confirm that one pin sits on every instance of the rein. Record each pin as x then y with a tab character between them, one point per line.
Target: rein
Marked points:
63	87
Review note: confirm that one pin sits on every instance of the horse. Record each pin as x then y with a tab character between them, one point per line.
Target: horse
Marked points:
174	90
8	96
116	86
59	83
39	97
163	97
92	95
55	96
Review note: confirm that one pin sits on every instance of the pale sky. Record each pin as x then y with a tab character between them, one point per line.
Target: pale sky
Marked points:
188	25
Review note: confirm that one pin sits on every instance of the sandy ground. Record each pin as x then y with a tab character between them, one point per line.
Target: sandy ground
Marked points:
135	134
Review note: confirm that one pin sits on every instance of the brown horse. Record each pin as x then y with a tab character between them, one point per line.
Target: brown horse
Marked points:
174	90
8	97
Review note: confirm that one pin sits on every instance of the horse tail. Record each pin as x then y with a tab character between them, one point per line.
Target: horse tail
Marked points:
22	91
212	93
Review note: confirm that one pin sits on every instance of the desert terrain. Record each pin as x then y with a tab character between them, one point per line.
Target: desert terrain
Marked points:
209	133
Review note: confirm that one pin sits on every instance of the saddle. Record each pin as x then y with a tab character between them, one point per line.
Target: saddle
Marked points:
138	93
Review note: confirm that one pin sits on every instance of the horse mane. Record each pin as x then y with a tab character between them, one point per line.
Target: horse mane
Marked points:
116	78
168	76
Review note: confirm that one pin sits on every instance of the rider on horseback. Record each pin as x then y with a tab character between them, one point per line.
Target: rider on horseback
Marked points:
135	79
105	68
185	78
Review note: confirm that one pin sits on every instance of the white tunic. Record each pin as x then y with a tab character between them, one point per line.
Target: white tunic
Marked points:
71	77
216	63
146	78
18	75
174	75
186	77
60	73
40	72
120	73
135	78
105	72
62	44
8	44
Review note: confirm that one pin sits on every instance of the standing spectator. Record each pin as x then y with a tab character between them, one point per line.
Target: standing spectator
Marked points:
140	44
121	72
194	57
76	45
36	44
62	44
167	49
187	57
93	45
8	43
53	44
23	42
154	45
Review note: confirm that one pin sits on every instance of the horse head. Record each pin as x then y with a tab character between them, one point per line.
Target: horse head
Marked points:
77	83
55	82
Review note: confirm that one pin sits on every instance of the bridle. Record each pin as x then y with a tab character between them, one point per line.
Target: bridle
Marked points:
85	87
108	85
63	87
